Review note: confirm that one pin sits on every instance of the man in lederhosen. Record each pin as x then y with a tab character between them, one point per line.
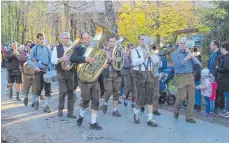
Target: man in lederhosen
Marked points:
28	78
127	71
112	80
89	90
13	68
143	64
65	78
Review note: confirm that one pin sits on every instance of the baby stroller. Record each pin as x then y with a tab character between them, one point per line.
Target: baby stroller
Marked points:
166	74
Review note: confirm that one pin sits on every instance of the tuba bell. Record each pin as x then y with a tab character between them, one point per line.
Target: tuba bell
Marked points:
89	72
118	55
67	65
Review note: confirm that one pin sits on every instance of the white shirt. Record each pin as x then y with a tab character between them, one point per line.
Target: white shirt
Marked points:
54	59
139	61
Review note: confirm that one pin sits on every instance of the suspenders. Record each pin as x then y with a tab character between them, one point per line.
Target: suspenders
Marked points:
146	66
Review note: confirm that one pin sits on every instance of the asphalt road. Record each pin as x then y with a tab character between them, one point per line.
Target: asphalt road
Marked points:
23	124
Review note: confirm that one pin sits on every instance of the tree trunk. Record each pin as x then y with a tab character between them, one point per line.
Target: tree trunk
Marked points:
18	24
24	31
9	22
67	15
110	16
158	24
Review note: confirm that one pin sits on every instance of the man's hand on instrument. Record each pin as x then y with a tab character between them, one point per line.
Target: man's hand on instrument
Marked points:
146	56
37	69
66	58
189	56
105	66
89	59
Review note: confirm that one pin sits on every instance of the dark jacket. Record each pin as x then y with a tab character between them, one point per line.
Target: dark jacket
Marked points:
214	62
197	69
127	65
223	73
60	53
78	55
13	62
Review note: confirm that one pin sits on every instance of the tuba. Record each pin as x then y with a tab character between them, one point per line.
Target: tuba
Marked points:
117	53
89	72
67	65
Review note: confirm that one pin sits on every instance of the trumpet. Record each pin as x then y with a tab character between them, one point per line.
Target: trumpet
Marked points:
194	58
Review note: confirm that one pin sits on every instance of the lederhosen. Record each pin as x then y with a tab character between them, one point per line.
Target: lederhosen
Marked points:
144	84
112	81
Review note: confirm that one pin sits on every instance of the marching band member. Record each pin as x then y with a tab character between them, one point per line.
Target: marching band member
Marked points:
183	63
14	73
89	90
40	59
28	78
112	80
130	86
156	83
65	78
142	69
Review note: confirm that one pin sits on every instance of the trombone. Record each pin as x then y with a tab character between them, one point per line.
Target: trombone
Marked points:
194	58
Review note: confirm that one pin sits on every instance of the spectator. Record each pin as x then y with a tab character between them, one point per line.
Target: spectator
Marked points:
223	76
212	63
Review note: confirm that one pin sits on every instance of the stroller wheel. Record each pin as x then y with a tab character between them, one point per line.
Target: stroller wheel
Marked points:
171	99
162	99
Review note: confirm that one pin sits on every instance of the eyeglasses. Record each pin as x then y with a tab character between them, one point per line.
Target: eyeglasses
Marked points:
41	38
66	38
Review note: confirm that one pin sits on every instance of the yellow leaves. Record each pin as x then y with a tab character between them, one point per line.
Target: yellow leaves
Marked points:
154	18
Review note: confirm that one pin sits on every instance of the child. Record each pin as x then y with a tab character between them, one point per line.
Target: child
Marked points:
197	70
206	90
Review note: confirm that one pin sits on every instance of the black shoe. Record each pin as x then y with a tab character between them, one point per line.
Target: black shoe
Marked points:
133	105
41	97
142	109
25	101
70	115
10	96
190	120
125	102
32	105
47	109
195	107
152	123
157	113
60	113
119	102
198	108
95	126
36	105
136	119
116	113
18	98
104	109
79	121
176	115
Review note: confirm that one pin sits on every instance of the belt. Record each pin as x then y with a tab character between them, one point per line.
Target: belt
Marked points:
42	63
